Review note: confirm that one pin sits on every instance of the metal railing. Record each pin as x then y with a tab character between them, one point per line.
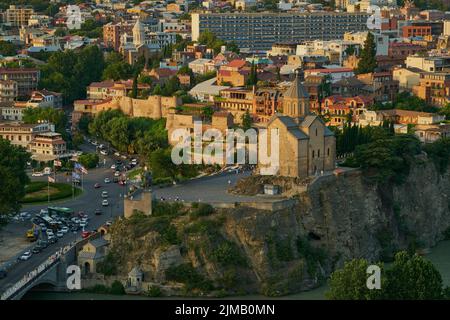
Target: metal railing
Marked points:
34	274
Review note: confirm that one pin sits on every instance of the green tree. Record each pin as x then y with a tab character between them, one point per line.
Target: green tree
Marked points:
134	91
253	77
8	48
445	111
70	72
55	116
161	164
368	62
246	121
13	162
350	282
412	277
88	160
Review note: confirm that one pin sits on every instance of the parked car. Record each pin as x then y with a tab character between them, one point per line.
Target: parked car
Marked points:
105	194
52	239
37	174
117	154
36	250
98	212
97	185
3	274
113	166
25	215
25	256
60	234
75	220
105	203
108	223
104	152
107	180
134	161
117	173
64	229
83	224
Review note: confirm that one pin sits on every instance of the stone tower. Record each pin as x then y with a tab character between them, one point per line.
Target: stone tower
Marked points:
296	100
138	34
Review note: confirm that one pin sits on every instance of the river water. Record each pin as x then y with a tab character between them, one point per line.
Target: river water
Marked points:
439	256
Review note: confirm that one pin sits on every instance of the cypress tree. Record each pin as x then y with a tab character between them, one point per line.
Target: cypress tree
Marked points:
367	62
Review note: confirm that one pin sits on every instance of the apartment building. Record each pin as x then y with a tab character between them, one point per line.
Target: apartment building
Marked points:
26	78
109	89
12	111
434	88
47	144
18	16
113	32
416	31
8	90
22	134
259	31
428	64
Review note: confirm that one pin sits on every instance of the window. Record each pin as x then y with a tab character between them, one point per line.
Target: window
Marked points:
313	154
328	152
318	153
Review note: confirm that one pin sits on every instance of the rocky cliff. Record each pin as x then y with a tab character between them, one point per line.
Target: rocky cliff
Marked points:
248	250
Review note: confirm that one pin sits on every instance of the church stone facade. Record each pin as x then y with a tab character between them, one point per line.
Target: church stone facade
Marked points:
307	146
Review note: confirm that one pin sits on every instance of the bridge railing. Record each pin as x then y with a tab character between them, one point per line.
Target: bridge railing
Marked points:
32	275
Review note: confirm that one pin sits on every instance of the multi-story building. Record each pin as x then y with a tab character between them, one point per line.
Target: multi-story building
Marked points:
45	99
428	64
22	134
434	88
235	73
18	16
47	145
416	31
259	31
399	51
109	89
8	90
380	85
26	78
12	111
113	32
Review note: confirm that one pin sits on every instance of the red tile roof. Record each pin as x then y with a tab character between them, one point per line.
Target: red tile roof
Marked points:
237	63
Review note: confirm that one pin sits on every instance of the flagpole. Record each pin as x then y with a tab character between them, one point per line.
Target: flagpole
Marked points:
73	195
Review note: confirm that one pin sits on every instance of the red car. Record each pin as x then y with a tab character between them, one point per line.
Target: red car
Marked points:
97	185
85	234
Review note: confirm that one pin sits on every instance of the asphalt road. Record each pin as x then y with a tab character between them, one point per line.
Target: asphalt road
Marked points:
209	189
89	201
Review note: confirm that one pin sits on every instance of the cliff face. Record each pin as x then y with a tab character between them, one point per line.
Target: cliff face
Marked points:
294	249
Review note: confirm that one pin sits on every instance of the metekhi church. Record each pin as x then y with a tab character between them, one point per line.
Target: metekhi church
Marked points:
307	146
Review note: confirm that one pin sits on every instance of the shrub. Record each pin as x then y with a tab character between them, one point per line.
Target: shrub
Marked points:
154	291
313	256
117	288
185	273
228	254
64	191
204	209
108	266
